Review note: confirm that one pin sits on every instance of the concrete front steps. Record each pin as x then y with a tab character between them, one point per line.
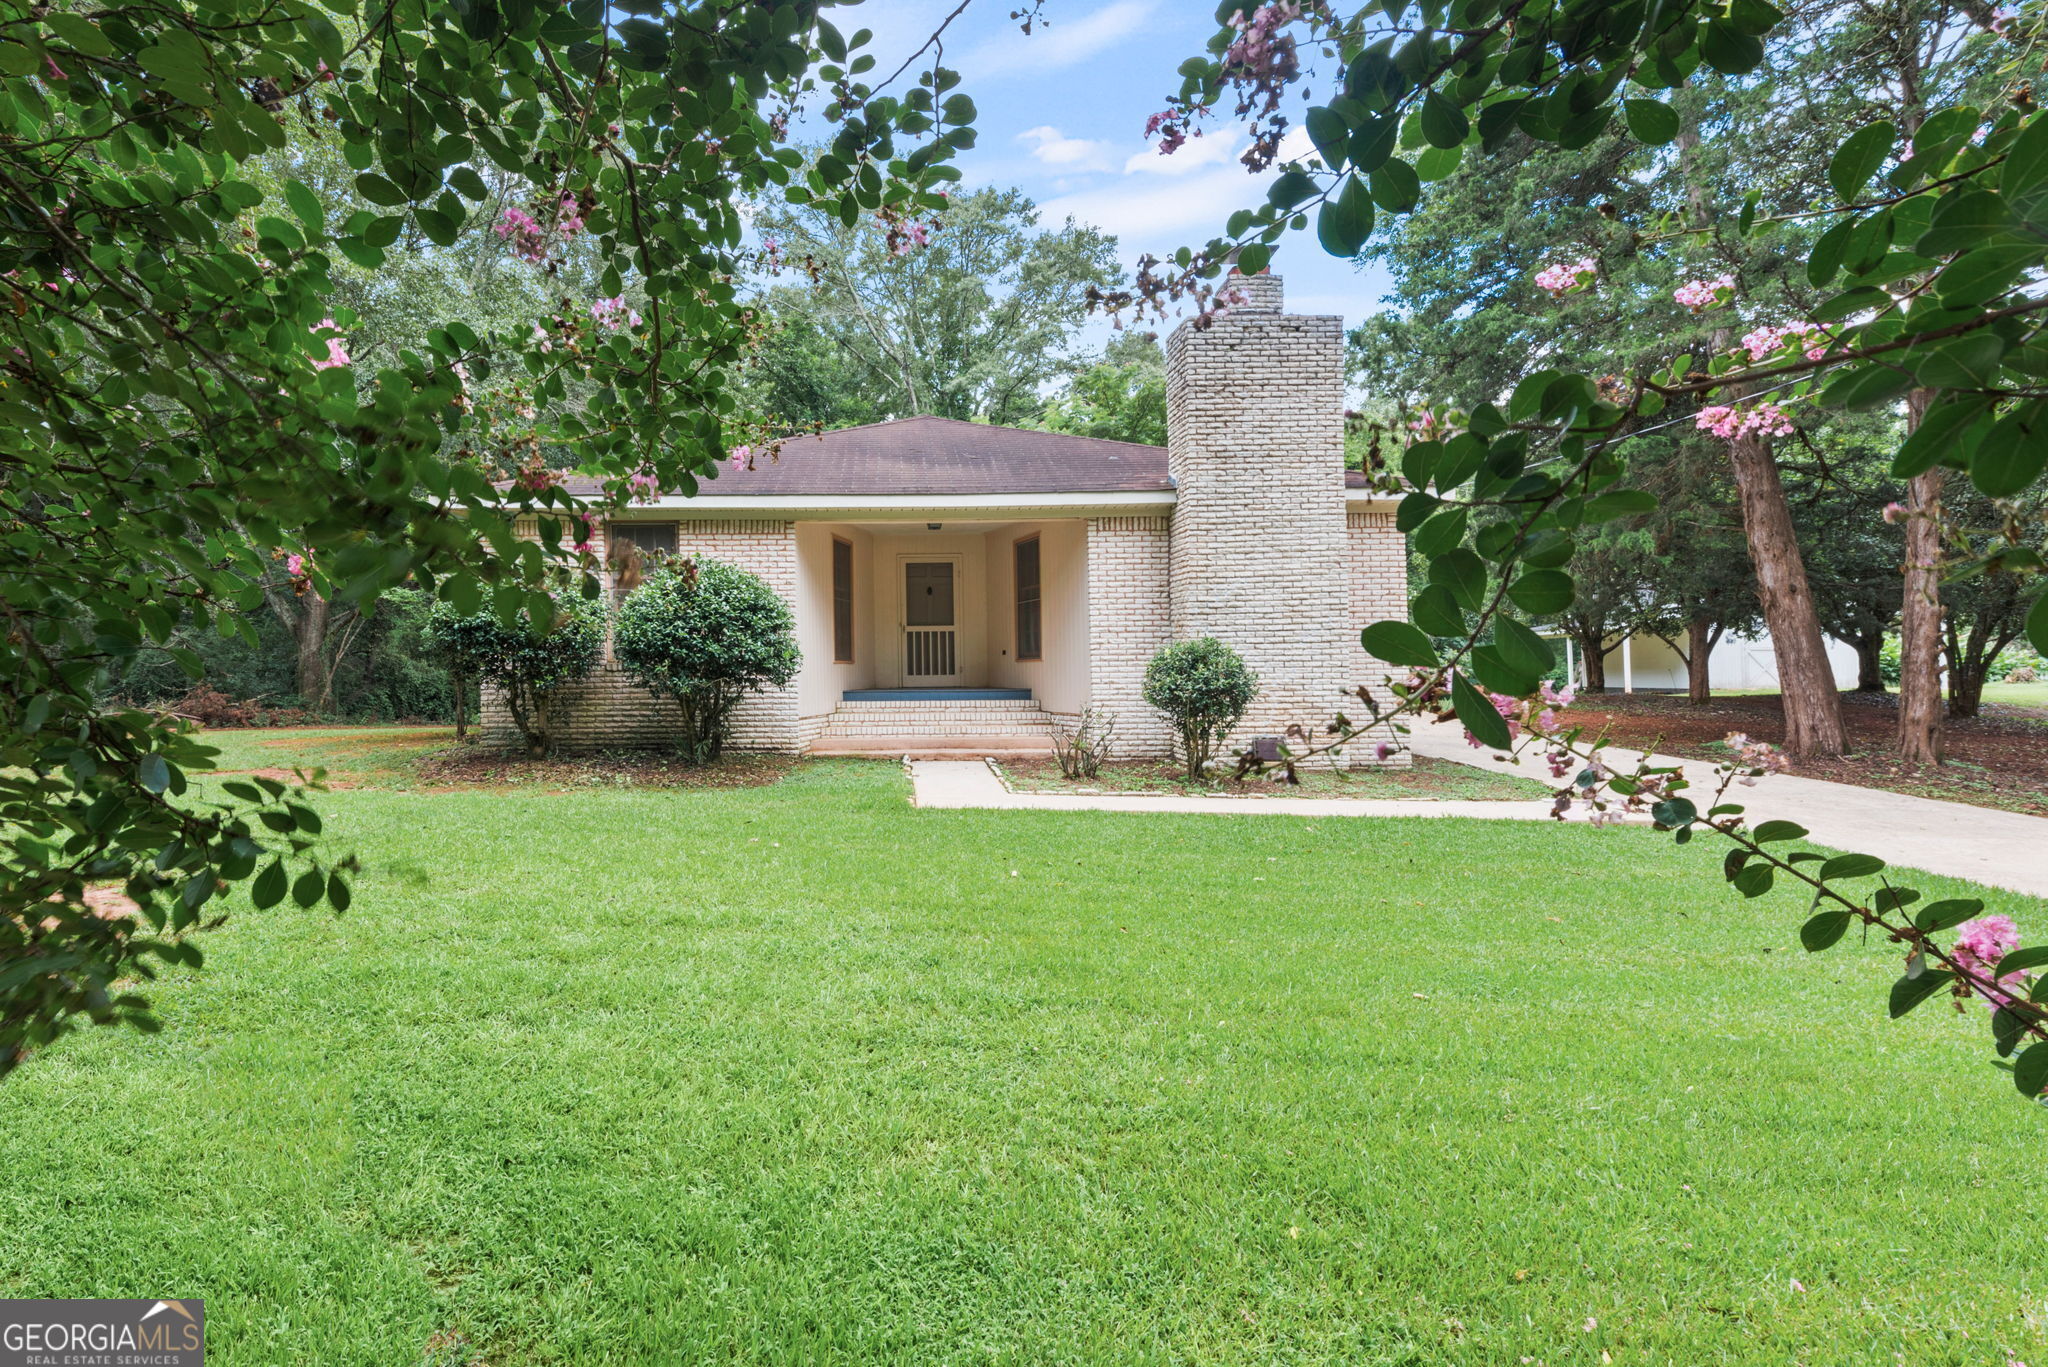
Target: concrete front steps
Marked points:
952	728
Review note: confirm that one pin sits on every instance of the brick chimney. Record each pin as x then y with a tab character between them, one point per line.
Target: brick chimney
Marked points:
1255	445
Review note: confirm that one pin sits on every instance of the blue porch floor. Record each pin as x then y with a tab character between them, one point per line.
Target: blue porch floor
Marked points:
935	694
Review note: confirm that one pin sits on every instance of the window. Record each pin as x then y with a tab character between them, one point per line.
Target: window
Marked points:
842	601
1030	622
634	549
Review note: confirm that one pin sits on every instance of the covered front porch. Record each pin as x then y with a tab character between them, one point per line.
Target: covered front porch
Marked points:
933	636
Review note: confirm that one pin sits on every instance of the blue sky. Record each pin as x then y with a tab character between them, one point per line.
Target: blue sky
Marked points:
1062	116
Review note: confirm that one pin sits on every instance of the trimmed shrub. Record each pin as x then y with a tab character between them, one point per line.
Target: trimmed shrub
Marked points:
1204	687
528	665
706	634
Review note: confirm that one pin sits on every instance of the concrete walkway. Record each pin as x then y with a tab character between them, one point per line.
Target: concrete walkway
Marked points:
2002	849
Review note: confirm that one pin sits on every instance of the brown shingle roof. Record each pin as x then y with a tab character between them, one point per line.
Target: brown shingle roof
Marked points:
931	455
928	455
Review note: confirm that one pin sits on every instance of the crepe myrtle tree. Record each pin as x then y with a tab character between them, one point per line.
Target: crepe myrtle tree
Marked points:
1203	687
179	408
705	634
528	659
1924	256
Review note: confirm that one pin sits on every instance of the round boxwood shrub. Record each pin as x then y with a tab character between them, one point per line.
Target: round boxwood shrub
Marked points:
526	664
1204	687
706	634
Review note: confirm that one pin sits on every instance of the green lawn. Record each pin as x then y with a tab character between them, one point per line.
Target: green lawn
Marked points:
2020	695
797	1074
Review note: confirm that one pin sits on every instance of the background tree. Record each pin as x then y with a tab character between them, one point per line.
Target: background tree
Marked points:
965	313
1119	397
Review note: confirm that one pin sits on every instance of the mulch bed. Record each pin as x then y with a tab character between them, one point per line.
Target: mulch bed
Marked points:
479	766
1999	759
1428	778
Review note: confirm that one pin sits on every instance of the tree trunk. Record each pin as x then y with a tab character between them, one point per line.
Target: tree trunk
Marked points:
1966	688
309	635
1869	646
1594	660
1920	625
1699	645
460	683
1813	709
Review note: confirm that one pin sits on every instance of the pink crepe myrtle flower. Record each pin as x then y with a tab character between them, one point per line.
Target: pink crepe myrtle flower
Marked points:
57	73
1561	278
1980	944
1768	341
613	313
1896	512
536	478
1705	294
742	457
337	354
295	565
643	487
1731	423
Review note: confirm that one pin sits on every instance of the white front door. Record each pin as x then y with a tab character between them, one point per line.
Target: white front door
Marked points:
931	636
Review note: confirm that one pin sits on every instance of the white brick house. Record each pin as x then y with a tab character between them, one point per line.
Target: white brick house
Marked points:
958	586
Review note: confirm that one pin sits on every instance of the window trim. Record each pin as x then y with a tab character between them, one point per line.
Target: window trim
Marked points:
1037	597
852	604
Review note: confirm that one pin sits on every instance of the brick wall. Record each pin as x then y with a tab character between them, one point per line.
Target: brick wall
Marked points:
1261	555
1379	591
1128	623
610	709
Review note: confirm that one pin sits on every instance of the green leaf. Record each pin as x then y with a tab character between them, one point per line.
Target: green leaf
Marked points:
1618	503
2012	455
1522	649
2026	161
1443	123
1464	573
1479	716
2022	959
1966	362
305	205
1398	643
1823	930
308	888
1395	187
1982	275
1940	426
338	894
1652	121
1729	50
2037	624
1755	879
1676	812
269	887
154	773
1542	593
2030	1069
1345	220
1436	612
1851	866
1859	157
1909	991
1772	831
1331	135
2008	1028
1952	911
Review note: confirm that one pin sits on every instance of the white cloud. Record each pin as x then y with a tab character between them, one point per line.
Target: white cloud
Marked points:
1060	43
1192	156
1055	148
